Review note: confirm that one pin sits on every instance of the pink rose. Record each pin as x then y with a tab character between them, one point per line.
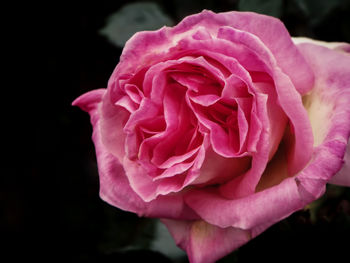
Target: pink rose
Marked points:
221	126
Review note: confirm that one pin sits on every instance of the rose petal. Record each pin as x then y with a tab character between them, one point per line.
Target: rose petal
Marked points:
243	117
173	160
153	46
288	98
206	243
221	141
332	86
277	118
114	185
146	112
227	56
142	182
276	170
343	176
127	103
328	108
217	169
249	211
175	169
235	88
339	46
90	101
112	119
134	93
245	184
299	71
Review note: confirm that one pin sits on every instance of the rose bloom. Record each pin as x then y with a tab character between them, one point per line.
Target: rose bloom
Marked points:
221	126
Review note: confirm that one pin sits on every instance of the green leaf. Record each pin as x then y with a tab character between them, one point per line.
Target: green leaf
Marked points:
165	244
133	18
267	7
318	10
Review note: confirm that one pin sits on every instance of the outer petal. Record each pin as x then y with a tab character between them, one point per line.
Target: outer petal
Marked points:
329	112
339	46
343	176
89	102
153	46
282	47
112	123
245	184
288	97
268	206
114	185
205	243
328	106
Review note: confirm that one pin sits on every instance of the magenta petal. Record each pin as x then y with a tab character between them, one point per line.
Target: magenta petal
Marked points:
256	209
178	159
245	184
89	101
148	46
174	170
112	123
282	46
217	169
278	119
329	113
111	119
114	185
147	111
243	117
204	100
249	211
235	88
201	34
332	136
126	103
140	181
134	93
288	97
343	176
149	189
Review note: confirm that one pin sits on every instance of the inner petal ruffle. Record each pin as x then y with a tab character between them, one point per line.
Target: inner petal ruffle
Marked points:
301	142
216	118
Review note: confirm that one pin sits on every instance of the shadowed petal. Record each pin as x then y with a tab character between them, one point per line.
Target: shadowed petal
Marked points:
205	243
329	111
343	176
